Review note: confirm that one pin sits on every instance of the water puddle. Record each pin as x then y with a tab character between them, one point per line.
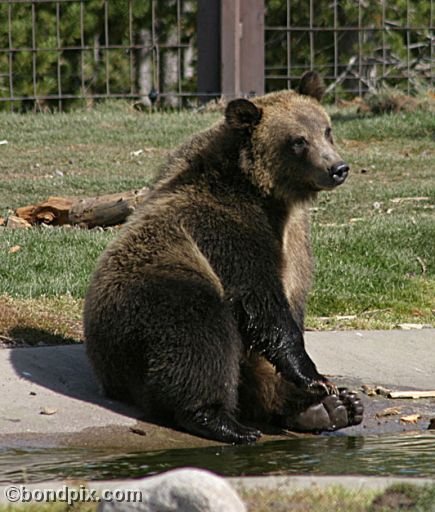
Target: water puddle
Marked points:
398	455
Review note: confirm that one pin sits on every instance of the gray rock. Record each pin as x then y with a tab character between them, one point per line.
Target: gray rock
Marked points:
180	490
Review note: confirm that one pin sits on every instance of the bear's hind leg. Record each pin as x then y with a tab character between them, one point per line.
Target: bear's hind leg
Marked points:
212	404
193	357
218	424
264	396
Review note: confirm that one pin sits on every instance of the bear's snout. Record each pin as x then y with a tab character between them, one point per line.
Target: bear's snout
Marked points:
339	172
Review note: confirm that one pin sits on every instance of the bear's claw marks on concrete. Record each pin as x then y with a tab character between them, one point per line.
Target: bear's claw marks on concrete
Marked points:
333	413
218	425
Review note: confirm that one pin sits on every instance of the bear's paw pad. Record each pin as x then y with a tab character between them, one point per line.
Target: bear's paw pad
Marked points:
332	413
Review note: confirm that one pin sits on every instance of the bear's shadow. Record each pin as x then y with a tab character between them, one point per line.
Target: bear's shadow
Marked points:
64	369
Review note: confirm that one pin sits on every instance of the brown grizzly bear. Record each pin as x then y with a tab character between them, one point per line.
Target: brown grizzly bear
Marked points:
196	311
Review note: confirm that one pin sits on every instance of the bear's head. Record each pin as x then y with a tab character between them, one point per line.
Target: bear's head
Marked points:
287	144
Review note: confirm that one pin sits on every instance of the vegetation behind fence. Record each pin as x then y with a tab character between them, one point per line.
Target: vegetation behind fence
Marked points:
59	53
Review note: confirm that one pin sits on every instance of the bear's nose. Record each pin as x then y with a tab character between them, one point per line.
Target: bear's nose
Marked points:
339	172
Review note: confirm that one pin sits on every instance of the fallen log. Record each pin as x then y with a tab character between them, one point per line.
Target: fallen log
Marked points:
106	210
54	210
14	222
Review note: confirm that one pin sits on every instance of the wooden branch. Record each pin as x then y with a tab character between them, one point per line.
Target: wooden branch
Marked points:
412	394
106	210
52	211
342	76
15	222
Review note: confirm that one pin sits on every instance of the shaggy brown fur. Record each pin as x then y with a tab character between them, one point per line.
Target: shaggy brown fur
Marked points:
200	301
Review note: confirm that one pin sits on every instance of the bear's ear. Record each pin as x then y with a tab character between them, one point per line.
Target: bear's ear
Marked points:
312	85
242	114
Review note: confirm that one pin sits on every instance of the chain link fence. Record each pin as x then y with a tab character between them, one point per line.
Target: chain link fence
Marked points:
61	53
359	45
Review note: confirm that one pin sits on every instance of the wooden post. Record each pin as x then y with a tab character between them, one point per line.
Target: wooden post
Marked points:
231	47
242	47
209	48
252	47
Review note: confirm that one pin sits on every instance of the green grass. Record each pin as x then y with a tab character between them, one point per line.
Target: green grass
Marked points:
373	237
51	507
412	126
379	269
396	497
339	499
86	153
50	262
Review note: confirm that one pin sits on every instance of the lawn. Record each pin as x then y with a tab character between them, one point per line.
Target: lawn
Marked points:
374	237
396	497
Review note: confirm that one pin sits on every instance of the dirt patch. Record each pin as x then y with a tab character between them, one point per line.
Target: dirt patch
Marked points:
399	497
44	321
392	500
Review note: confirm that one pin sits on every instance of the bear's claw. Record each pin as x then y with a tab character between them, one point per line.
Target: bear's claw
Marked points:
323	387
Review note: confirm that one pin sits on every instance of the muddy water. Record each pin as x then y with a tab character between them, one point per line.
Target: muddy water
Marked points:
399	455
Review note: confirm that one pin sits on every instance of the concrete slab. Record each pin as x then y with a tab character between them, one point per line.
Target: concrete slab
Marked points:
397	358
49	397
59	381
53	379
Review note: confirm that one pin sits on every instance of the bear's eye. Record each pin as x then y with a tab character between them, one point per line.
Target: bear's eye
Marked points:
299	143
328	133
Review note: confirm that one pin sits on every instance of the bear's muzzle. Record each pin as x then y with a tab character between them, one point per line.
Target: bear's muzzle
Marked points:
339	172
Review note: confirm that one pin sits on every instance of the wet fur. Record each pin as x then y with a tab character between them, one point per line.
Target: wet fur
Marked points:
201	298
